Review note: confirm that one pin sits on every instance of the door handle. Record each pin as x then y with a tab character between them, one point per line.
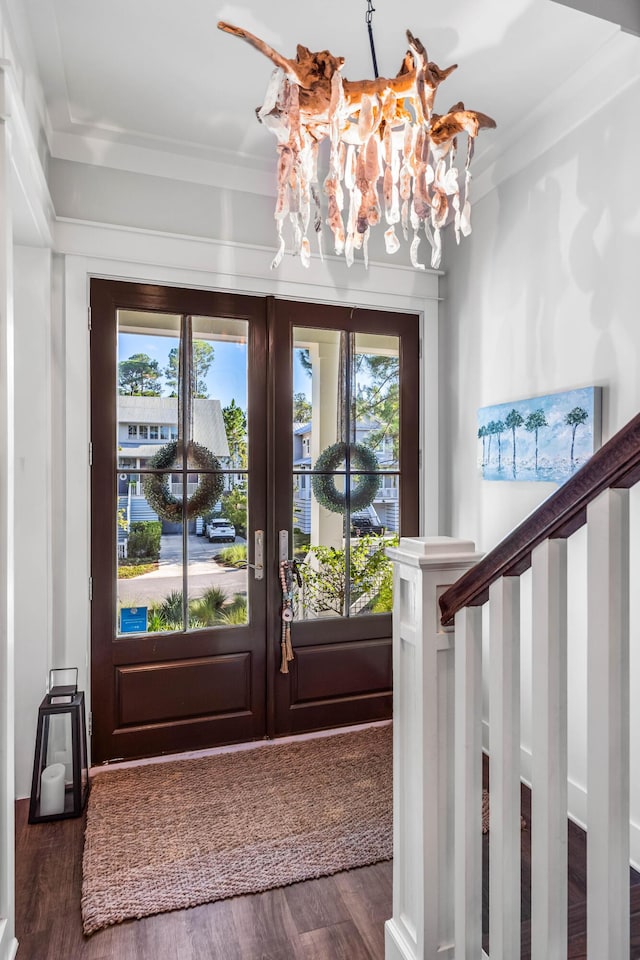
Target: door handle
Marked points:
258	555
283	545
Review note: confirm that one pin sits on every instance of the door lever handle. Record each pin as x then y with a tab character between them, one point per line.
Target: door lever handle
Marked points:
258	555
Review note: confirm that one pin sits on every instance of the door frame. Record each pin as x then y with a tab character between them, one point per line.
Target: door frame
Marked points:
269	698
120	253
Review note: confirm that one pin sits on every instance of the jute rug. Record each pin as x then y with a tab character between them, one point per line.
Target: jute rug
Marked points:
171	835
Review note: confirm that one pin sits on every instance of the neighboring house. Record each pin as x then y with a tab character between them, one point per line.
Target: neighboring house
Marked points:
145	425
302	485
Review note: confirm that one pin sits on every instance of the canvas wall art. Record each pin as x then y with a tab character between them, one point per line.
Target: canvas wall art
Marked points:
541	438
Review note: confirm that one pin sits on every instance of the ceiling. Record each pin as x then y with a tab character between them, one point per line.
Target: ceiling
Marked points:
159	75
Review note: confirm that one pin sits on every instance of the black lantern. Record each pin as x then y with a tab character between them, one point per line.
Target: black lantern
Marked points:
60	776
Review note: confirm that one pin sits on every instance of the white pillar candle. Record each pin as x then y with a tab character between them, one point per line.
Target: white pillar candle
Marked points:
52	790
64	757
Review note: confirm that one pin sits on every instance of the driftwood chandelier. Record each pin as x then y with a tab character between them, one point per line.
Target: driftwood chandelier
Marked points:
390	153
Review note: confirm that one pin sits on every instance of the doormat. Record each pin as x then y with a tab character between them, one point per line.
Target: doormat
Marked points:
177	834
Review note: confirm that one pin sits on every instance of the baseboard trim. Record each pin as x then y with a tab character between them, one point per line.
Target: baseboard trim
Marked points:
396	946
8	947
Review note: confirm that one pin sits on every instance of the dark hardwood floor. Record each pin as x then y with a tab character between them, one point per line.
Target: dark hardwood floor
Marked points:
577	888
333	918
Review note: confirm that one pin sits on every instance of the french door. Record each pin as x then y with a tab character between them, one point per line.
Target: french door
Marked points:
232	435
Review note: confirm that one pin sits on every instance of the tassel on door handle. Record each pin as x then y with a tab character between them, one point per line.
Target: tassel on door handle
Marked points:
287	570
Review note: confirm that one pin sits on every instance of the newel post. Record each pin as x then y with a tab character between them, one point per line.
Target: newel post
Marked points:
421	927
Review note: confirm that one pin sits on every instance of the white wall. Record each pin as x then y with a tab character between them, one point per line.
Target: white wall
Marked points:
543	298
7	897
33	562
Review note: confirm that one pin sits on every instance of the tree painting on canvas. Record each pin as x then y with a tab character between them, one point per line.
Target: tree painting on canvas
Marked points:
542	438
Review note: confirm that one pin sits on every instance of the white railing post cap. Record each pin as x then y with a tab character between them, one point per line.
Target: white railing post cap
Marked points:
431	551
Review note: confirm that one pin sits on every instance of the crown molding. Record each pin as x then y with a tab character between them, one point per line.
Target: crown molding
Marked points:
213	169
625	13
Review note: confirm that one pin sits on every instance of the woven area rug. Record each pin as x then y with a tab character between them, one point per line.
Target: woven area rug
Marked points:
170	835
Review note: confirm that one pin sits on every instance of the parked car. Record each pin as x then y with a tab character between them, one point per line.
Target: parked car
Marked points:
364	526
221	529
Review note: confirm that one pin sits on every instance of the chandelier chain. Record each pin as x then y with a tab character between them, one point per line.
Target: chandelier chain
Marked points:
369	21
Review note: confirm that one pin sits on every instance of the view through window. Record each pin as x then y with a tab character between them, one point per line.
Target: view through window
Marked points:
177	572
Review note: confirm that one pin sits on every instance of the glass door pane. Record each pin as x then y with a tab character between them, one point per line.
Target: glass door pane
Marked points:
181	566
346	413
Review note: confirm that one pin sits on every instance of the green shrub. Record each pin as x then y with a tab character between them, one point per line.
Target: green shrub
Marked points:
144	540
301	543
324	576
206	609
236	612
383	603
155	623
170	610
233	556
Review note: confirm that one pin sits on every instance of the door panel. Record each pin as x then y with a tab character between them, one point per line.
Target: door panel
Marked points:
361	392
360	668
166	692
178	638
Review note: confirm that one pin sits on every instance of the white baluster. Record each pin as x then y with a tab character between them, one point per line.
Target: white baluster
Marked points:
468	784
549	770
608	727
504	770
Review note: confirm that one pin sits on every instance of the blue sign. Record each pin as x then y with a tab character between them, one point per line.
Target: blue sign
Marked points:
133	620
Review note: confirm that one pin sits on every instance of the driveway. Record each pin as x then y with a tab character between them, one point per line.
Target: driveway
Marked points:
198	548
203	572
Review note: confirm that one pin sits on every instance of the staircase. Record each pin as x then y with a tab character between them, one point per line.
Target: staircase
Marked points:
445	641
140	510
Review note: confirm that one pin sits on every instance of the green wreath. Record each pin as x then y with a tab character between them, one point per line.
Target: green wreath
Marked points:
156	486
362	492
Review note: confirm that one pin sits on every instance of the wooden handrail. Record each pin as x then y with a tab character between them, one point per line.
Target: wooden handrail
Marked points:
616	464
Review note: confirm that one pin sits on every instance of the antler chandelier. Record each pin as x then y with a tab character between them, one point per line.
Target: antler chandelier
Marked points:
390	153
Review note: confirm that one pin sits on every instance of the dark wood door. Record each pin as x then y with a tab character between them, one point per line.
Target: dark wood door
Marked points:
209	413
178	636
359	370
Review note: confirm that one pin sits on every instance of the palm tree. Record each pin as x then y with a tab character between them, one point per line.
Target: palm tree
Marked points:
513	420
573	419
489	429
482	435
498	429
490	432
533	423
